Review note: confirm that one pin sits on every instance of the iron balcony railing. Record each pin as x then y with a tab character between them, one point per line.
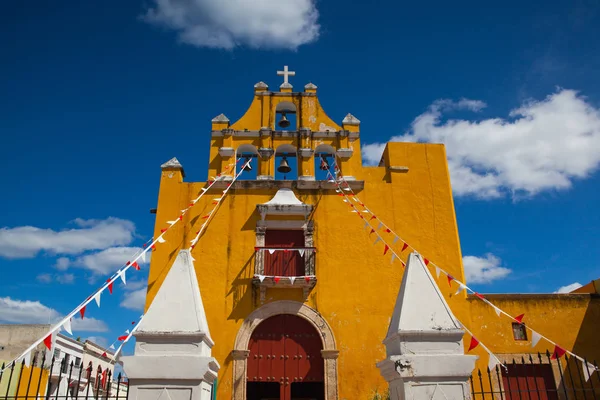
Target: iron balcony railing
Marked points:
285	261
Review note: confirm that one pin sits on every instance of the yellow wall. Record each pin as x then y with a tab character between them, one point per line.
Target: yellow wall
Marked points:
357	286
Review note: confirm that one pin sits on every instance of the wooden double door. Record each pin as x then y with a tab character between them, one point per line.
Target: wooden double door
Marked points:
284	263
285	361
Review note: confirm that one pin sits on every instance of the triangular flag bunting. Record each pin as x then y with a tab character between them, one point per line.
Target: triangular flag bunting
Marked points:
373	217
121	338
535	338
105	355
588	370
48	341
67	326
206	216
404	246
261	278
276	279
461	287
292	279
136	266
519	318
163	230
307	279
271	251
379	226
474	343
479	296
558	352
493	362
127	331
82	309
143	256
497	311
396	239
181	216
110	286
385	249
112	347
372	231
171	222
387	230
160	239
366	224
123	278
97	298
450	279
301	251
437	271
426	261
377	240
355	199
393	257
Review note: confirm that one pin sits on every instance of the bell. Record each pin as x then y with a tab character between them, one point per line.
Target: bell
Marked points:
284	123
324	166
284	168
247	166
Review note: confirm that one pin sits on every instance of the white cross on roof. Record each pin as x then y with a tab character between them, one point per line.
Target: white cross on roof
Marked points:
285	73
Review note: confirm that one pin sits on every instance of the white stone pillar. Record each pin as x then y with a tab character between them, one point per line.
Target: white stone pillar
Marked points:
424	349
172	359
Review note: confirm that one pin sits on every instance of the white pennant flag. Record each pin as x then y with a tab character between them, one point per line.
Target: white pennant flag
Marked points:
437	271
67	326
184	211
292	279
97	298
218	199
588	369
261	278
396	239
122	275
493	362
301	251
345	200
366	211
112	347
194	241
338	191
160	239
535	338
461	287
347	189
354	211
377	240
497	311
379	226
366	225
393	257
143	256
271	251
204	189
127	331
172	222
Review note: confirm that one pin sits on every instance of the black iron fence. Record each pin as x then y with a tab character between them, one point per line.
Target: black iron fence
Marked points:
60	380
537	377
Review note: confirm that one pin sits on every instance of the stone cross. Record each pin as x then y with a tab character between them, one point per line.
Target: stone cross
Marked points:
285	73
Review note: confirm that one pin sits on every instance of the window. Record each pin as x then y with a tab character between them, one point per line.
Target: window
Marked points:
77	361
519	331
57	353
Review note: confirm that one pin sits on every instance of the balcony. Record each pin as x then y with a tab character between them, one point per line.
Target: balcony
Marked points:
284	267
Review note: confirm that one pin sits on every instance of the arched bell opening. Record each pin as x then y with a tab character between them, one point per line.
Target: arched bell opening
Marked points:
285	360
285	116
245	153
324	159
286	163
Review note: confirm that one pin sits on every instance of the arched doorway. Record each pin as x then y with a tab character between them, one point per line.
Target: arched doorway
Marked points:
285	361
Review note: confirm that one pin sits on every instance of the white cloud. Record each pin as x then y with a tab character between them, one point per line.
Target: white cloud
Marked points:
99	340
62	263
484	269
569	288
28	241
109	260
227	24
60	278
44	278
134	300
542	145
34	312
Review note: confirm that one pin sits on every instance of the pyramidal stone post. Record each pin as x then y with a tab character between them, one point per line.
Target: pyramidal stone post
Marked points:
424	348
172	359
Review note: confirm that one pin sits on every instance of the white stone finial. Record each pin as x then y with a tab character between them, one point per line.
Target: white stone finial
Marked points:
220	118
350	120
310	85
285	73
261	85
172	163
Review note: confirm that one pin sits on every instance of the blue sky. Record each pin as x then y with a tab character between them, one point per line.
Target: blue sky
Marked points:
94	96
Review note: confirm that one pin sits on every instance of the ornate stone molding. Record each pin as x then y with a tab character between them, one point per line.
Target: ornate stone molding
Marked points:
265	153
276	308
265	131
226	151
344	153
306	153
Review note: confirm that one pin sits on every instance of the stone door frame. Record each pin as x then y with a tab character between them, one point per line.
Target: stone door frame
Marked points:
240	352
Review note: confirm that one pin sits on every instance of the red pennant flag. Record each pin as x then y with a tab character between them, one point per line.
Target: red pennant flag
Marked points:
215	202
426	262
385	250
181	217
48	341
372	231
362	205
341	194
307	279
276	279
519	318
191	204
388	230
163	230
104	355
110	287
192	246
256	249
82	312
361	217
480	296
103	379
558	352
404	246
474	343
153	247
144	245
136	266
450	279
206	216
121	338
373	217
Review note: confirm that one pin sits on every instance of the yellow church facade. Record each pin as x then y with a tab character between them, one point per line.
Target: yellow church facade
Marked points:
289	257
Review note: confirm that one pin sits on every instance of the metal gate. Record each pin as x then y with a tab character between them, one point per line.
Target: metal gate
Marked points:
285	360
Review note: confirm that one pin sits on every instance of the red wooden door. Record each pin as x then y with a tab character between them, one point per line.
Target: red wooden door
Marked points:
285	349
284	263
529	381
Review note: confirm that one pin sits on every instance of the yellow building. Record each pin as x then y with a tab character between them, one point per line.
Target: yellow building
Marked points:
286	258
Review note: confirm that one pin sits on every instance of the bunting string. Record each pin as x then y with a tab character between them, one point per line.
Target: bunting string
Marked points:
350	198
151	244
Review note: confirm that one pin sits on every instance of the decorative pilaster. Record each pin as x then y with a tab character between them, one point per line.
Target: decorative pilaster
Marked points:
424	347
173	345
